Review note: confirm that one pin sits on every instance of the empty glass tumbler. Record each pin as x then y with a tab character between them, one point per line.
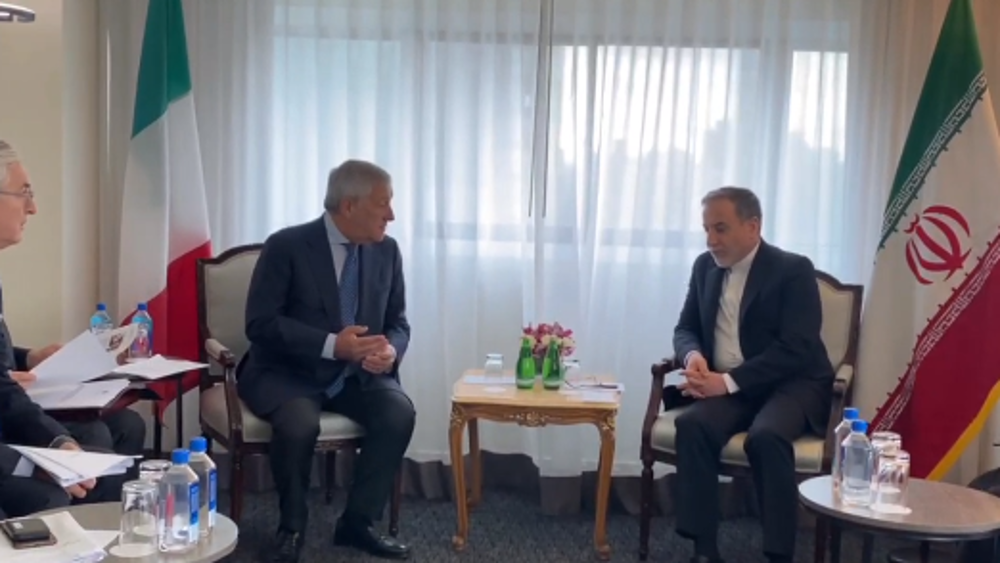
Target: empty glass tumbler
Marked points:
494	365
152	470
891	481
138	522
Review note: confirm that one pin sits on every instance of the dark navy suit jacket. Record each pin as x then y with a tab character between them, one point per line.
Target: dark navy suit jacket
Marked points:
293	304
779	329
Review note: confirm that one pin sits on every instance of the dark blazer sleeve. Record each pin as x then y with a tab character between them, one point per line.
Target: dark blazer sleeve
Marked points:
8	461
800	317
20	358
22	421
397	328
687	333
267	324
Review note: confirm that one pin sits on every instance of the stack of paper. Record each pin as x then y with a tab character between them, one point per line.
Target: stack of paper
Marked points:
157	367
73	544
69	467
94	395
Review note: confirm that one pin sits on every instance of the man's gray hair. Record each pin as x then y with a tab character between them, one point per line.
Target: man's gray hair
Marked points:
8	156
746	202
352	180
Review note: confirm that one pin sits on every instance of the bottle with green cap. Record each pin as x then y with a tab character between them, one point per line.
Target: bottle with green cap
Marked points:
840	433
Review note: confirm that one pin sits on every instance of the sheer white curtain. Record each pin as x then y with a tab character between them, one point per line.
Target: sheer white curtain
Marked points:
548	156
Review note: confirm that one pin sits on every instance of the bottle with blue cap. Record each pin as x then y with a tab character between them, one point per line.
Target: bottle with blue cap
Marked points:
100	321
858	466
840	434
205	469
179	498
142	346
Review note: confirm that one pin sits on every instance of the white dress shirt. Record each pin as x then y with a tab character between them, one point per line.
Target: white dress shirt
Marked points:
727	353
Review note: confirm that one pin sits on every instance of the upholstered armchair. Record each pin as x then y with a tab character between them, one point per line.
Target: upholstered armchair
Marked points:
223	282
813	454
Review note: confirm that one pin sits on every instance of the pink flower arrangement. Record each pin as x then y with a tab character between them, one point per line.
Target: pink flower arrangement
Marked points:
545	334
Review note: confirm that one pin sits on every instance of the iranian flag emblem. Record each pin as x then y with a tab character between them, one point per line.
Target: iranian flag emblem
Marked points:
929	362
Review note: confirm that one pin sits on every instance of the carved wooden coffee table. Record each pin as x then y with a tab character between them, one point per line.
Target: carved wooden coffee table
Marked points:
504	402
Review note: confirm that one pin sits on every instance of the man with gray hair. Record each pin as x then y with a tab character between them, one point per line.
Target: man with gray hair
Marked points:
22	421
326	320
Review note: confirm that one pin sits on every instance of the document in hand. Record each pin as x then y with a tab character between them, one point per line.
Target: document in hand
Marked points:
73	544
81	359
69	467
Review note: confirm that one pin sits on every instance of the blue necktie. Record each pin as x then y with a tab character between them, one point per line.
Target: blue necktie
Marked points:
348	289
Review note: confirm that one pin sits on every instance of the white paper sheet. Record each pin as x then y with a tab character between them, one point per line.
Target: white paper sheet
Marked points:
157	367
69	467
489	379
81	359
73	544
91	395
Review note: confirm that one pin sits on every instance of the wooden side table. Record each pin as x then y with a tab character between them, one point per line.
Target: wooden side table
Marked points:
533	408
940	512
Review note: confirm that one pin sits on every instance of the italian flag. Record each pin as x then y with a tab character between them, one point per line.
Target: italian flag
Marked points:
929	361
164	228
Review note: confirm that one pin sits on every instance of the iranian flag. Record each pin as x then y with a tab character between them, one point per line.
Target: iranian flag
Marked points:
164	228
930	340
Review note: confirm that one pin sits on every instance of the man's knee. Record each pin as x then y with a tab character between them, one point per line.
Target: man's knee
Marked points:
395	418
296	422
94	435
694	424
764	440
128	431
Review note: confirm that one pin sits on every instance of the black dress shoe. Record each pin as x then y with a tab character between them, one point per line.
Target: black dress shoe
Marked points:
706	559
366	538
287	547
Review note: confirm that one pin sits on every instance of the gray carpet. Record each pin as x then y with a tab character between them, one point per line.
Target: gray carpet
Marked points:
508	527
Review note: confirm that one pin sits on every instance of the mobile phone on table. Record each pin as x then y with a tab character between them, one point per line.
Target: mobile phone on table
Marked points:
27	532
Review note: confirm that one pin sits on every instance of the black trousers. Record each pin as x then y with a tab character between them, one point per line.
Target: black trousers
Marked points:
386	413
705	428
122	432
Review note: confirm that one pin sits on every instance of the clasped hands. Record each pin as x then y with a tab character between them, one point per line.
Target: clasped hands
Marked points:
701	383
374	352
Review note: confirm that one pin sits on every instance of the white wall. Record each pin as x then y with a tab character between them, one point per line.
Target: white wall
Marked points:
48	110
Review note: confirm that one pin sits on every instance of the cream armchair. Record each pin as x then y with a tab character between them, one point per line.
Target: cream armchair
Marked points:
223	282
813	454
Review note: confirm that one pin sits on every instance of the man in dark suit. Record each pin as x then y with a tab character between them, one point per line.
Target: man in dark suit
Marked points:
326	319
23	490
749	338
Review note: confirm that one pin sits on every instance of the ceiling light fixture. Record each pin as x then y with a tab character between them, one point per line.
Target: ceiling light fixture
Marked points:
17	14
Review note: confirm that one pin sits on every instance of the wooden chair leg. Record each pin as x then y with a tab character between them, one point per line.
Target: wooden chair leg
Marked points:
236	487
331	475
397	493
646	507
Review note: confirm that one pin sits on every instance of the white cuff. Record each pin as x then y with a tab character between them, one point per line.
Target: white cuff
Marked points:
731	385
25	467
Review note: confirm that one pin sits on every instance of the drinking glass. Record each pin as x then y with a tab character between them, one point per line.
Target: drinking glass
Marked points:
152	470
494	365
891	482
886	441
138	524
571	369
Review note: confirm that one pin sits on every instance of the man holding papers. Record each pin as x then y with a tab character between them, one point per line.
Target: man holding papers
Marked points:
22	490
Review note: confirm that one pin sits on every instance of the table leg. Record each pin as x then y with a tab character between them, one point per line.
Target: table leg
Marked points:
867	547
179	405
606	428
477	463
457	428
834	542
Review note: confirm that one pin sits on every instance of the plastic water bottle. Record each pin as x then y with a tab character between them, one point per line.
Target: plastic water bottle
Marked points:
142	346
840	434
177	514
858	464
100	321
205	469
